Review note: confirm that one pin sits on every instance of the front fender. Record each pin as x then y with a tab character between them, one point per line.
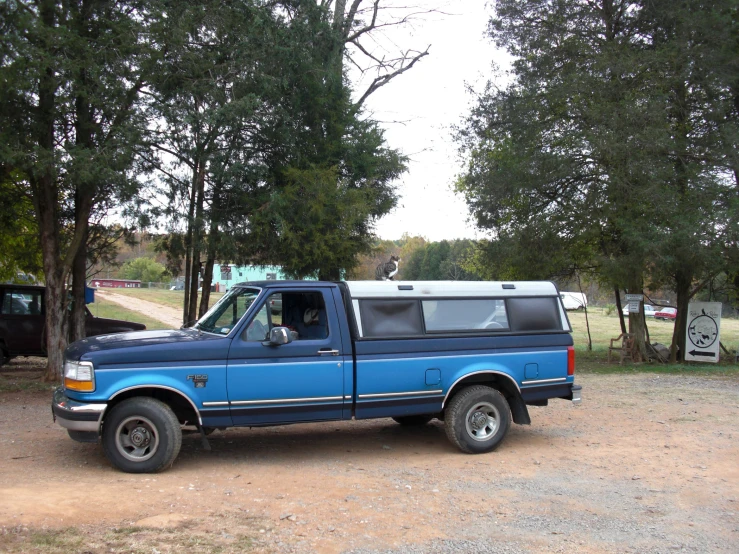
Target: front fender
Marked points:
198	384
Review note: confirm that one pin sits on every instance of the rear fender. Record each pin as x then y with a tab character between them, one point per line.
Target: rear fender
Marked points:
499	380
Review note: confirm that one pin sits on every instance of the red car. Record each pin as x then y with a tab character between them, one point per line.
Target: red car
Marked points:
666	313
22	322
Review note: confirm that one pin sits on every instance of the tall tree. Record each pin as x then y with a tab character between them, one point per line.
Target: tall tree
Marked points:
217	103
71	72
580	151
273	163
335	154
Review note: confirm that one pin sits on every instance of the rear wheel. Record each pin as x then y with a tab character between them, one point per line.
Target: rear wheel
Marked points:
413	420
141	435
477	419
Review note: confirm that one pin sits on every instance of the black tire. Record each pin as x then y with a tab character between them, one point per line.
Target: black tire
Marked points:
141	435
477	419
413	420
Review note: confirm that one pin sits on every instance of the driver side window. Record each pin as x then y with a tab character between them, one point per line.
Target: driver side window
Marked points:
302	312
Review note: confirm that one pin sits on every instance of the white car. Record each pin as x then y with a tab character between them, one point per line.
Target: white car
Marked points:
649	310
574	300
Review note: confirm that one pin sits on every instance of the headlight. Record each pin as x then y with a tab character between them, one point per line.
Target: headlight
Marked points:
79	376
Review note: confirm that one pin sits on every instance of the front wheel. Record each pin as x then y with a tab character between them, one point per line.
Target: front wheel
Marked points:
477	419
141	435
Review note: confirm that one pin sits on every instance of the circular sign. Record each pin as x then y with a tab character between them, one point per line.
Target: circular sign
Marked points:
703	331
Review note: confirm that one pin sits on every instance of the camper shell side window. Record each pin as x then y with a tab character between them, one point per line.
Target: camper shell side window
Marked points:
387	318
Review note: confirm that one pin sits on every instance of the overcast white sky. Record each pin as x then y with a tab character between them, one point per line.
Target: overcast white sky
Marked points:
418	109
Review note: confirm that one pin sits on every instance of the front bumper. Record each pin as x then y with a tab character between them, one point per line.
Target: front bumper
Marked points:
74	415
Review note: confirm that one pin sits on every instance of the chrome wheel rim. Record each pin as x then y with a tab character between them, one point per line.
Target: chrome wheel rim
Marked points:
482	421
137	439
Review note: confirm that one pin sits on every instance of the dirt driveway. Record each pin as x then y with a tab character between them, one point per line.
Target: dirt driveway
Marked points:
165	314
646	464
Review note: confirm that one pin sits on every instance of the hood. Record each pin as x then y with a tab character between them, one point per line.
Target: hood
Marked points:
149	346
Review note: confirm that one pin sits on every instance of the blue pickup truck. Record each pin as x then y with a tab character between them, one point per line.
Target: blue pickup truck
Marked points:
472	354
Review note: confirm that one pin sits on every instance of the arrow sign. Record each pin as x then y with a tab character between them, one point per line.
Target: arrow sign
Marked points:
699	353
703	333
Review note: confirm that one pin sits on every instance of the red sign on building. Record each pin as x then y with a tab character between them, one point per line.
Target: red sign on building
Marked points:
115	283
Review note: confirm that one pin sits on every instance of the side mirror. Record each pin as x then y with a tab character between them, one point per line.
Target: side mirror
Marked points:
279	336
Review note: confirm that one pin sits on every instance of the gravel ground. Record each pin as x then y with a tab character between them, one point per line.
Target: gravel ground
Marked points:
646	464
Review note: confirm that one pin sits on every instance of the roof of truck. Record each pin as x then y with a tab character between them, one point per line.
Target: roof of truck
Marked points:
420	289
449	289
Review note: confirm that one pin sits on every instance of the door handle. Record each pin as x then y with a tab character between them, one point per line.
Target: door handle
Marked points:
328	352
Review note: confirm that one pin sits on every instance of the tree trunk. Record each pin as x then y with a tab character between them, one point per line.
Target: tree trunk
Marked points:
208	272
637	326
207	283
84	131
192	305
585	309
197	240
79	276
683	280
54	336
188	251
620	309
56	327
45	196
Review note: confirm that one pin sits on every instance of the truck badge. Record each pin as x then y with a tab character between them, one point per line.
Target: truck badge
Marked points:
198	380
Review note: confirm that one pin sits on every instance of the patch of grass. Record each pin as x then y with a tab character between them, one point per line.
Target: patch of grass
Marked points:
131	539
593	364
24	382
105	308
604	327
64	540
243	543
128	530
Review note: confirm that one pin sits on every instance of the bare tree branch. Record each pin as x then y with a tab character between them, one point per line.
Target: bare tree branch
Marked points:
382	80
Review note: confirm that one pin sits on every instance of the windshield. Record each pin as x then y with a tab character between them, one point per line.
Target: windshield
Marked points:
227	312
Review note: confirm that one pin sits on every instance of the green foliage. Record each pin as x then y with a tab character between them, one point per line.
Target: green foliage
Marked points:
70	77
320	222
144	269
613	148
442	261
609	309
274	164
575	159
381	250
19	246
